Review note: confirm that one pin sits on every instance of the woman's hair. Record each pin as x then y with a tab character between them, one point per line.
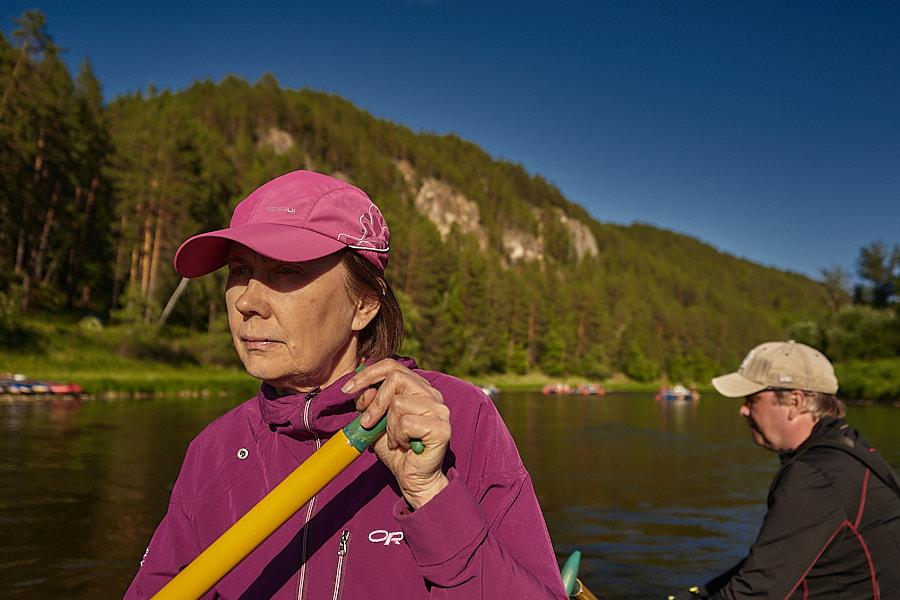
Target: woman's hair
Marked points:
382	337
819	404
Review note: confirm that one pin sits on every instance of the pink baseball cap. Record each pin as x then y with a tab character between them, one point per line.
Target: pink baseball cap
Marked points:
296	217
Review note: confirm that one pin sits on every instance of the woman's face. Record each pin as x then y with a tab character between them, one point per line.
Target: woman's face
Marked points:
293	324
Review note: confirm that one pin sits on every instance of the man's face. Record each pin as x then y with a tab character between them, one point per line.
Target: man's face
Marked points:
767	419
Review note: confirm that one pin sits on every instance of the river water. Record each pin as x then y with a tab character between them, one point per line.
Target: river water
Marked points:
656	496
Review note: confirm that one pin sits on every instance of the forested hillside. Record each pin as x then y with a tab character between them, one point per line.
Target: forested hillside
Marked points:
497	271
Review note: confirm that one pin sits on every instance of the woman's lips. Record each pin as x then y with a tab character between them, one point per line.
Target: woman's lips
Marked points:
258	343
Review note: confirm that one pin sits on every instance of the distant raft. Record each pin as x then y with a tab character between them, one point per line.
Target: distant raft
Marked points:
19	384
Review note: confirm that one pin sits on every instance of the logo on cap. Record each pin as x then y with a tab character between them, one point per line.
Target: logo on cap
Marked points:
372	234
747	359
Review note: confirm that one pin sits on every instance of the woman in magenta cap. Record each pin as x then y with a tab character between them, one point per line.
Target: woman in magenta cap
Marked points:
308	304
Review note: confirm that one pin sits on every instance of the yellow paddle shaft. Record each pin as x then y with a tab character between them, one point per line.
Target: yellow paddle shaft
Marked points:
582	593
261	521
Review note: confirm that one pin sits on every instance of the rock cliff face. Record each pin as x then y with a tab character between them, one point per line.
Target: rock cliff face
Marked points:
581	239
445	207
278	139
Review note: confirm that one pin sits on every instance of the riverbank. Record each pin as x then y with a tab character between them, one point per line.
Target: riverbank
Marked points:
140	379
111	362
106	371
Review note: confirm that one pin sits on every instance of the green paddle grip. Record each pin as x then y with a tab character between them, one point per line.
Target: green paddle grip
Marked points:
360	437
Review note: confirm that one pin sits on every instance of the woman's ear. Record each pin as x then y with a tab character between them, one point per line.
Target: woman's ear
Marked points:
366	309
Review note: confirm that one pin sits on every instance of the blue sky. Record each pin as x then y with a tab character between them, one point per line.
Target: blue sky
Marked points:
770	130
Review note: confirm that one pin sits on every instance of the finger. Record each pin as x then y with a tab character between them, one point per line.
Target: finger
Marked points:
369	383
421	430
399	437
389	392
363	378
373	412
368	375
364	399
415	418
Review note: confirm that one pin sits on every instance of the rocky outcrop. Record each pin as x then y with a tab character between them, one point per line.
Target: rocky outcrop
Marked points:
520	245
581	238
447	207
278	139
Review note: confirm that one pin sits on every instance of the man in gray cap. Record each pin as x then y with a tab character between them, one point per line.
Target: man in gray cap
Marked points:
832	529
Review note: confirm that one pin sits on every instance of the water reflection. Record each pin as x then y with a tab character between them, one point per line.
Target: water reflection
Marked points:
655	495
83	485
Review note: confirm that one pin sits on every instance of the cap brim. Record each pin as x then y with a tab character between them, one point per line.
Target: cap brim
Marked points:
207	252
735	385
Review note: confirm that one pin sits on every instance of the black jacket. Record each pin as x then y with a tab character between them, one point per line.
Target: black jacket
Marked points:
832	529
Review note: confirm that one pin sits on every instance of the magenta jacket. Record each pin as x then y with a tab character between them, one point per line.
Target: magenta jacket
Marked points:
483	536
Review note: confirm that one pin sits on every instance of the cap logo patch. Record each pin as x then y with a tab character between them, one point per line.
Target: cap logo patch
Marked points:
747	359
785	378
286	209
372	232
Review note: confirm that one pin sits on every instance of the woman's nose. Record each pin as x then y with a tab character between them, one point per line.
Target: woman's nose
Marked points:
253	300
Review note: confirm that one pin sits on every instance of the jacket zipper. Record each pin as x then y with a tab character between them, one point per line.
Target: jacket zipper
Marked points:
301	582
339	570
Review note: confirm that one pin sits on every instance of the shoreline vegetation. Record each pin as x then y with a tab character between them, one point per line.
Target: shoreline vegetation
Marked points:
116	362
120	361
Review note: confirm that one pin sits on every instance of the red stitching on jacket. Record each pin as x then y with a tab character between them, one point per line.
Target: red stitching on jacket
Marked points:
854	528
875	592
862	498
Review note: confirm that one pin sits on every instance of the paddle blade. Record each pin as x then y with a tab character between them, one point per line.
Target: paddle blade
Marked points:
570	573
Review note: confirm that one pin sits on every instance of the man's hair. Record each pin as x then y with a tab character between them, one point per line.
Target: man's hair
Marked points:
382	337
819	404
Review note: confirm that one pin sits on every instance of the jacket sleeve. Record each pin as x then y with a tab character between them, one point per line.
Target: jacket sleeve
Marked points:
805	513
484	536
464	557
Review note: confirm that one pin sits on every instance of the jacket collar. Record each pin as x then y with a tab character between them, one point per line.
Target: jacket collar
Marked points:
315	414
827	428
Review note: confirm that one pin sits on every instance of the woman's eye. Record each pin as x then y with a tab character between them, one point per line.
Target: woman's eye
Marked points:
290	270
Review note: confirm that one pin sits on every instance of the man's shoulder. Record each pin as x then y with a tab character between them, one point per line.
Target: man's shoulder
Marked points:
832	441
817	467
829	464
848	455
829	456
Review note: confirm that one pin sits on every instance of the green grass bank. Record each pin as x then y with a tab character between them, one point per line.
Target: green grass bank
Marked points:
115	361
